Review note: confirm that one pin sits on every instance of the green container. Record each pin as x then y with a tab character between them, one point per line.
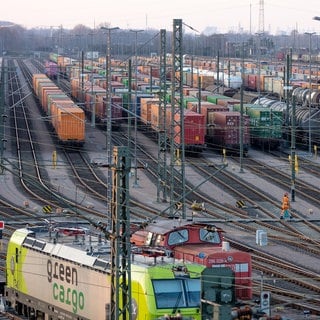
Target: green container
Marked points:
189	99
213	98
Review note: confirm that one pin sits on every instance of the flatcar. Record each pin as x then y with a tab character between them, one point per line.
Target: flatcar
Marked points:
48	279
197	242
65	117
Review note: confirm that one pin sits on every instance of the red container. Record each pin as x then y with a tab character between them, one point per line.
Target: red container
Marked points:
116	108
252	82
194	128
225	129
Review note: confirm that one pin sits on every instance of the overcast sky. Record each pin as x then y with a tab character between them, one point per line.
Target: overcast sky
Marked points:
225	15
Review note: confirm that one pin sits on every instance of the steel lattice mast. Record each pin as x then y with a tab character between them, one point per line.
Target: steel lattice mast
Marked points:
177	165
120	307
162	136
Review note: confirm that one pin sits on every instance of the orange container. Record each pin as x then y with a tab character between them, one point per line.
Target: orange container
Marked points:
69	122
37	76
145	107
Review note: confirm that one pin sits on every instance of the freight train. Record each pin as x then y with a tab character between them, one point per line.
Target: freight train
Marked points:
51	279
266	125
306	119
196	242
206	124
94	102
220	128
193	124
65	117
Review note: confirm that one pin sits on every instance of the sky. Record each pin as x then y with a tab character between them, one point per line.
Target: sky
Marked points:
225	15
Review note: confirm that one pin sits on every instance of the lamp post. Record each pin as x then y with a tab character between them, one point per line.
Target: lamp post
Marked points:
310	34
259	34
135	183
92	104
108	109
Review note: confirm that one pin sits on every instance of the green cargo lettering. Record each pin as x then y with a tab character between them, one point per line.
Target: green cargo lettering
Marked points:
68	297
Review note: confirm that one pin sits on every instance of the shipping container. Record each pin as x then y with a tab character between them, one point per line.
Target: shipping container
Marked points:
146	104
66	118
194	129
225	131
265	125
70	124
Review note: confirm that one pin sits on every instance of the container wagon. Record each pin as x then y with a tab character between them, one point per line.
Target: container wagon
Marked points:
64	116
224	132
265	126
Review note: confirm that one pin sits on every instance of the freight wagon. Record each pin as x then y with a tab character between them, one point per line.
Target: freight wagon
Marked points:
222	125
266	126
64	116
303	114
51	69
224	131
193	123
93	98
49	279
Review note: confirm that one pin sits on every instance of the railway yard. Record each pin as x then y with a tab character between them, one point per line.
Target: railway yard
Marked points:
44	183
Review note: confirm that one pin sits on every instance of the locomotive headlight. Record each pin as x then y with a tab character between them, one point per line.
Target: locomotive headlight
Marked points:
230	258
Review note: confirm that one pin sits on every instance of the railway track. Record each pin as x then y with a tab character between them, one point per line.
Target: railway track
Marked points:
263	206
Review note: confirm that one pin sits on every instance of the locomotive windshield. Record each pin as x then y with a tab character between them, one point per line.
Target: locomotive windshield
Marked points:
177	293
211	236
177	237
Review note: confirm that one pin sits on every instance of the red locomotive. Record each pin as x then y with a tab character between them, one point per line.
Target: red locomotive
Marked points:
196	242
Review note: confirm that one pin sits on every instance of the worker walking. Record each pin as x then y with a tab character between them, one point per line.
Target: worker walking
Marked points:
285	207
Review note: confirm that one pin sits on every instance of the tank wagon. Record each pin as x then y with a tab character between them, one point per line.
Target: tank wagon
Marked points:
65	117
197	242
49	279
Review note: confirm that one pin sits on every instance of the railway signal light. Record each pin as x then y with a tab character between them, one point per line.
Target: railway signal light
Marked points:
265	302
